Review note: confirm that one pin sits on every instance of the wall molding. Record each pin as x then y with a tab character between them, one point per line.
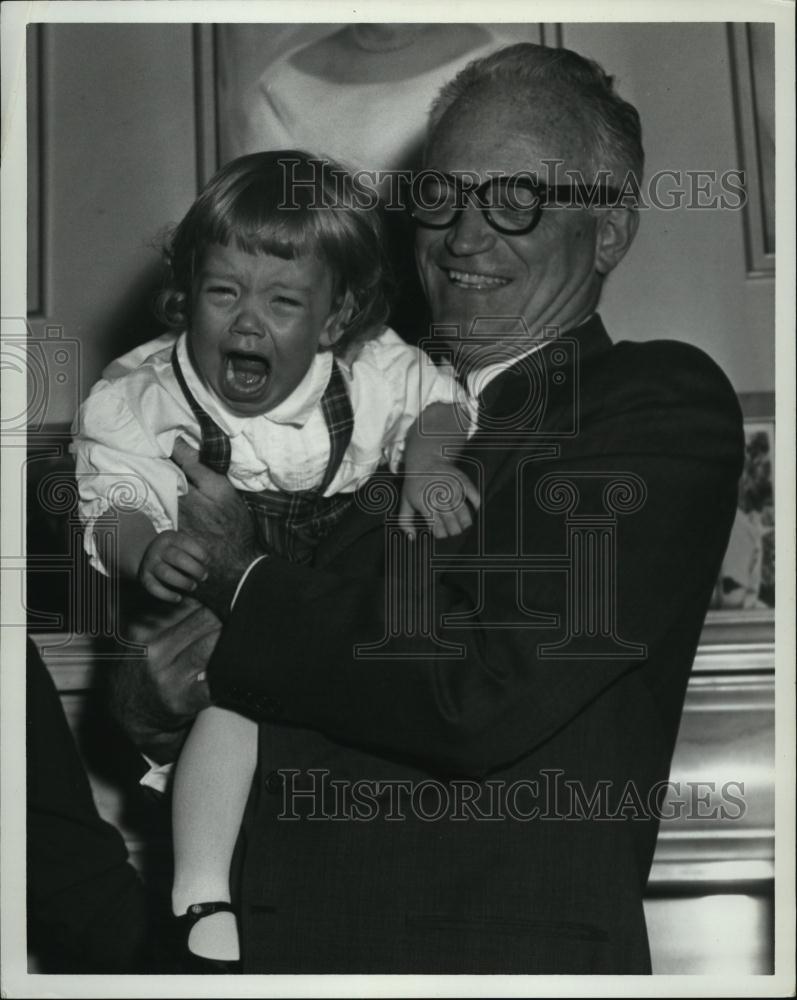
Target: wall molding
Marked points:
36	153
205	103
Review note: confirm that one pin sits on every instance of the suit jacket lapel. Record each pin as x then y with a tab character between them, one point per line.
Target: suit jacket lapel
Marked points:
531	404
543	373
507	402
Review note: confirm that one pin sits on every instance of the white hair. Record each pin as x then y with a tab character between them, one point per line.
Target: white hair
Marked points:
610	125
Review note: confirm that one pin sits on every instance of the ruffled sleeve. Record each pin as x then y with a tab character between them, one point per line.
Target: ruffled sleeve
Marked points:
122	461
393	382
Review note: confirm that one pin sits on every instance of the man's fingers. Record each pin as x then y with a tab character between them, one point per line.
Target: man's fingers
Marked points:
185	456
176	629
212	485
179	653
197	474
158	621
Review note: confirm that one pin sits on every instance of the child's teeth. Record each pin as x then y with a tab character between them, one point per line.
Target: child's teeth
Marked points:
245	373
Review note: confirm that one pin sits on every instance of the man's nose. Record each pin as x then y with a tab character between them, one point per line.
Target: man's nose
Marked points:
470	233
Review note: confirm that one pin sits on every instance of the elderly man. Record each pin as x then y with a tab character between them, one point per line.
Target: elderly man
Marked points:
463	763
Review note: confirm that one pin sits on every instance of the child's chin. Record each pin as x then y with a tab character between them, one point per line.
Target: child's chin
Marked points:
247	404
250	409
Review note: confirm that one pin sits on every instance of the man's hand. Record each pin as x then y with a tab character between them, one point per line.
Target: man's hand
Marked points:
217	518
156	698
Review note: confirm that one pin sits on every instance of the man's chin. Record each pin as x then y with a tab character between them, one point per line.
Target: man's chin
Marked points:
476	314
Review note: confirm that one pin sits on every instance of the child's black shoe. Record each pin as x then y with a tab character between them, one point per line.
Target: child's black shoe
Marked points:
193	964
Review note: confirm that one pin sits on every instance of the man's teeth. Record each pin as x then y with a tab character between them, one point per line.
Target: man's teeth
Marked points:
470	279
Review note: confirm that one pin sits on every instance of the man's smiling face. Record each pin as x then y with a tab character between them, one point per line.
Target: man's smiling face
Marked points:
547	276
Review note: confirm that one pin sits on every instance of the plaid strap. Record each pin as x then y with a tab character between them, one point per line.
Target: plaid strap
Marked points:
289	522
214	448
339	416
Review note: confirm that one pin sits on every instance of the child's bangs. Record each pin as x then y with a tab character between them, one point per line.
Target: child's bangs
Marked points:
257	222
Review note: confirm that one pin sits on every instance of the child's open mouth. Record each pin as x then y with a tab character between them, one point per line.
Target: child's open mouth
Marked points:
245	374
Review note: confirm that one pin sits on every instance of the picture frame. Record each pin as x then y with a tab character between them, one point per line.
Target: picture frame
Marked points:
752	60
36	255
235	65
748	619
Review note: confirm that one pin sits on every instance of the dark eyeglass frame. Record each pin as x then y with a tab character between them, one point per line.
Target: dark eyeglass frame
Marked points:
563	195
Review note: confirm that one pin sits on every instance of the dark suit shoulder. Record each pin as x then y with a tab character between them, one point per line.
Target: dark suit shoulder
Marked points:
668	367
660	373
664	396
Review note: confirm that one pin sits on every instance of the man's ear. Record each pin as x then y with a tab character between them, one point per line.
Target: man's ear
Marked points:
338	320
614	234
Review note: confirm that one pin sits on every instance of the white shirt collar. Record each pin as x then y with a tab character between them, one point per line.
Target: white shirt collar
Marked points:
296	409
478	380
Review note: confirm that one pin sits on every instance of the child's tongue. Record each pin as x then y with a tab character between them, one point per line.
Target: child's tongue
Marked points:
245	373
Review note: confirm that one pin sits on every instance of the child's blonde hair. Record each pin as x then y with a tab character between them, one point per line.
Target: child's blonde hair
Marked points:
288	204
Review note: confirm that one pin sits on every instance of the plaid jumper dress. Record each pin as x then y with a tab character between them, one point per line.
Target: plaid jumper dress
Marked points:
289	523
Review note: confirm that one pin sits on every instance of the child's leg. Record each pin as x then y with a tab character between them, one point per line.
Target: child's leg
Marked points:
211	785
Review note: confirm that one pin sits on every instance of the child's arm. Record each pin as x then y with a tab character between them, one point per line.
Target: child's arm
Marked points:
122	539
393	383
434	487
164	563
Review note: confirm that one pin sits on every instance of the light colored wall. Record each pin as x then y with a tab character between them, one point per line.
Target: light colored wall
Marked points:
119	163
120	148
685	276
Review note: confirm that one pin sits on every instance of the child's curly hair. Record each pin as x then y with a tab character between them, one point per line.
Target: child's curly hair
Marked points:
288	204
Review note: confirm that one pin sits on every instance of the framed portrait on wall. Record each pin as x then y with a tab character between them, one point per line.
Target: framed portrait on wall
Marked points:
356	93
752	49
744	595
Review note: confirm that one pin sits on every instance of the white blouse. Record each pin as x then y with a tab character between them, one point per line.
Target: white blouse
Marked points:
126	429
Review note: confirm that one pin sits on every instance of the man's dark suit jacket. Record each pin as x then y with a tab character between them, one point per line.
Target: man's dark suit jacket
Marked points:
86	905
481	888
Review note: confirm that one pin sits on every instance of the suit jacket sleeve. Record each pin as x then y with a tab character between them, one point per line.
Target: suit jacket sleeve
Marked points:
86	905
288	652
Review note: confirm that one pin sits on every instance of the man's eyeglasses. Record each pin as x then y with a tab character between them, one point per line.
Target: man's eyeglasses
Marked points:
511	205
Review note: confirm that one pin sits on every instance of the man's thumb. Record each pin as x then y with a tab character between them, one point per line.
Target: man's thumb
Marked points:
187	458
212	485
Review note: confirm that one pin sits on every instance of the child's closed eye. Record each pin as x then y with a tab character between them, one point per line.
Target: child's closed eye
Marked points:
220	291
